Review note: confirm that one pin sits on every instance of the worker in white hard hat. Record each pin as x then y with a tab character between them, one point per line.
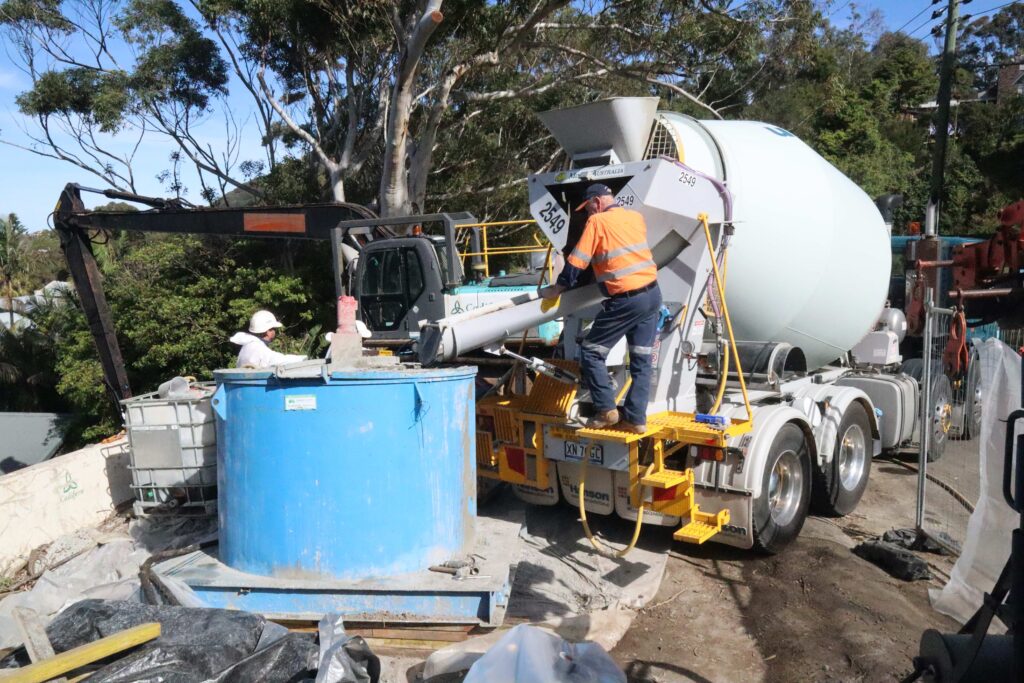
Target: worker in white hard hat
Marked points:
255	351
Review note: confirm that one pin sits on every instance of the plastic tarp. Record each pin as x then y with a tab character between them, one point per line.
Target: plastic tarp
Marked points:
987	544
109	572
344	658
225	646
527	654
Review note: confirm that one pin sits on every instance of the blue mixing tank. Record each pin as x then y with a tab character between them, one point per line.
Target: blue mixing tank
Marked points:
359	474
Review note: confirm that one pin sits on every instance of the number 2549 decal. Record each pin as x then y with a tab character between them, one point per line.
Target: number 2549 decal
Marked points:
551	215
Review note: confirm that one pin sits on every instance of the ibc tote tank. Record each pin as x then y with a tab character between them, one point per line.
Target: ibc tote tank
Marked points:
809	263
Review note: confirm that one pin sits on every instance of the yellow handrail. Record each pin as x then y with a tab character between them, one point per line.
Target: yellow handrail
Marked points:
489	224
486	251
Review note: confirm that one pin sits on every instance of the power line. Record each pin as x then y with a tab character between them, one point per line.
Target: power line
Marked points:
839	8
922	25
994	9
913	18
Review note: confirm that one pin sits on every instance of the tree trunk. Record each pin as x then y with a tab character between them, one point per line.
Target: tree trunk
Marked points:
394	181
337	184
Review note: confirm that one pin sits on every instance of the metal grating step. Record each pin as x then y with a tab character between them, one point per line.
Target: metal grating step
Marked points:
666	479
695	532
702	526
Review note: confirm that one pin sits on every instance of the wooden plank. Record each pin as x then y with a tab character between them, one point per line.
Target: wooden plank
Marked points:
33	636
82	655
410	634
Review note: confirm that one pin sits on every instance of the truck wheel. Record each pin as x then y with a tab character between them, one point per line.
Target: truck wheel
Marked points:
839	485
780	510
940	417
973	399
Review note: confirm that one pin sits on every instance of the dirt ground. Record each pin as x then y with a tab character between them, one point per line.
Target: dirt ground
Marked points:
816	613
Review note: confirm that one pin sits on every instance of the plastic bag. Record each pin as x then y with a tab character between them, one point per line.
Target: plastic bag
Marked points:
900	563
527	654
215	645
343	658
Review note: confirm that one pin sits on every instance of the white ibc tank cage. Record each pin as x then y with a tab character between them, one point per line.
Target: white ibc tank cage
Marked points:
810	260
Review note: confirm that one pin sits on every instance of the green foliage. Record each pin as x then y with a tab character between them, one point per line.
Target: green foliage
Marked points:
175	65
178	64
176	300
98	98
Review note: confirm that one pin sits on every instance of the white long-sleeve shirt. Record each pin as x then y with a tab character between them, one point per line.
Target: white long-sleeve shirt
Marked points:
256	354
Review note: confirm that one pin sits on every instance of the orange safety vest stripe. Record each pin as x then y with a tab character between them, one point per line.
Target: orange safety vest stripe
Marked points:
615	243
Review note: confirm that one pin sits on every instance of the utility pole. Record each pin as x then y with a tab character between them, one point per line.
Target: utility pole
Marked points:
931	217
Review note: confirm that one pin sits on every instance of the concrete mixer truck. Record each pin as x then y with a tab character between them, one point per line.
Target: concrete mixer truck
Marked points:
773	266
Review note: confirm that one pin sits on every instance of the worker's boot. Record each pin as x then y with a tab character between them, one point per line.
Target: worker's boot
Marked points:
627	426
603	419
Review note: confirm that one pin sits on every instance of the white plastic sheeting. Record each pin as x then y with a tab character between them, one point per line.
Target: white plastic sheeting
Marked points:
527	654
987	545
108	572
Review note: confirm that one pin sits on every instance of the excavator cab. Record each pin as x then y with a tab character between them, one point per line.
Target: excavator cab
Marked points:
400	282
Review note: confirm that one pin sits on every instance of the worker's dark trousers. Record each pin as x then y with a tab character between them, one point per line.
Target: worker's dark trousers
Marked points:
636	318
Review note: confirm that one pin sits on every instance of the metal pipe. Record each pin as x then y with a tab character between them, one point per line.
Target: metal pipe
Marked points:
918	265
337	265
981	293
922	456
458	334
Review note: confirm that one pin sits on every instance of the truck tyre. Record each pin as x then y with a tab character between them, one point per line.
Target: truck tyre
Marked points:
941	413
940	417
781	508
840	483
973	398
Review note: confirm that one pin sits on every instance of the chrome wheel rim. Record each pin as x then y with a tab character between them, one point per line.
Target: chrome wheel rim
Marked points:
785	488
852	457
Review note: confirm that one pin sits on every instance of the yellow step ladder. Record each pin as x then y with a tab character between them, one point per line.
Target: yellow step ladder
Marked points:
702	525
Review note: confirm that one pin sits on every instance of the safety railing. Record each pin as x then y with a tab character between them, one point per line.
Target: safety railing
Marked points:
485	251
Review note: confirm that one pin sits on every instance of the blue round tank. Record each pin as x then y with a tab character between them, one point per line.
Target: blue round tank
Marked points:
353	475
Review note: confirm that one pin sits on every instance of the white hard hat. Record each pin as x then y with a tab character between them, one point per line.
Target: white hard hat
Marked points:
261	321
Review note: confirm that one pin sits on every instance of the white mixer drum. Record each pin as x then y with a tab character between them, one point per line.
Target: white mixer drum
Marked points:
809	262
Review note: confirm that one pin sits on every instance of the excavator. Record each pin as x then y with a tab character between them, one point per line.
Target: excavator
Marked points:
400	271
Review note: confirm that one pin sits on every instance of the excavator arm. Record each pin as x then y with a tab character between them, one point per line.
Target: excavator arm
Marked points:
339	223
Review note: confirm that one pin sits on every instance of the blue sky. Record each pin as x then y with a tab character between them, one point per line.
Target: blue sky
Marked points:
30	184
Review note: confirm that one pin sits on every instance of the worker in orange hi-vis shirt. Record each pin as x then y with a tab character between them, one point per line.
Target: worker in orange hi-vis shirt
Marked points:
614	243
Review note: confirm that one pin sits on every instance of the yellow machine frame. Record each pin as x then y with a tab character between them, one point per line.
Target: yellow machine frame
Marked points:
513	449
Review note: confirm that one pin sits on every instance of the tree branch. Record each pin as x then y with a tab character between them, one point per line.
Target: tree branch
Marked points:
298	130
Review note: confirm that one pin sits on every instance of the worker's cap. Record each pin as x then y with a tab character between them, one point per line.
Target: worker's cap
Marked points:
261	321
596	190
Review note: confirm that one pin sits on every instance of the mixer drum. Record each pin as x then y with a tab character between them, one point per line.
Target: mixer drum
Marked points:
810	260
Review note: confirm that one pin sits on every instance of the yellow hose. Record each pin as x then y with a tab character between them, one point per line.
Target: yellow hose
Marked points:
625	388
725	313
598	546
725	360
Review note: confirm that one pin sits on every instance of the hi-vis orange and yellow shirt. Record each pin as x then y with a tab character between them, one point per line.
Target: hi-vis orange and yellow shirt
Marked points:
615	243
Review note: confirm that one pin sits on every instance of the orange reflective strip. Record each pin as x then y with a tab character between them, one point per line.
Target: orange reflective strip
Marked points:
274	222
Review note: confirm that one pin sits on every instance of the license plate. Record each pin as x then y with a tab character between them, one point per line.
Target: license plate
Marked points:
574	450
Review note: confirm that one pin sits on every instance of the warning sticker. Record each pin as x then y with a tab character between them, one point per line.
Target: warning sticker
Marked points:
300	402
